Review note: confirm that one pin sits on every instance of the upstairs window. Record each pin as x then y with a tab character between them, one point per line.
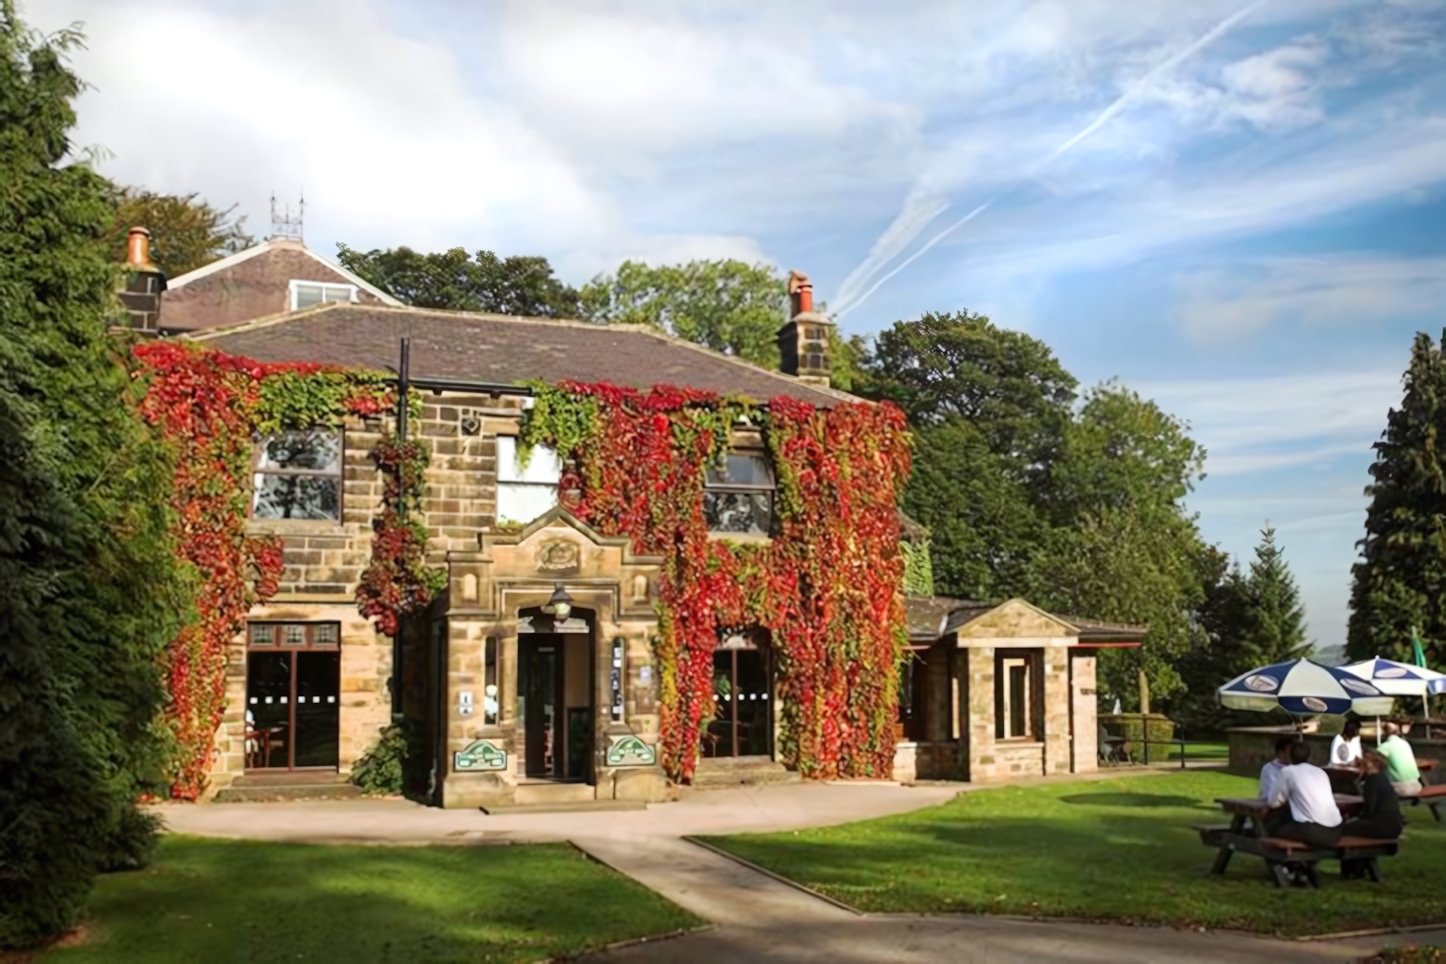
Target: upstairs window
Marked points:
738	494
298	476
304	294
523	494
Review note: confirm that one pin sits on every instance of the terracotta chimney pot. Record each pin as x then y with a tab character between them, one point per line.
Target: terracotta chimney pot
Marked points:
138	253
800	289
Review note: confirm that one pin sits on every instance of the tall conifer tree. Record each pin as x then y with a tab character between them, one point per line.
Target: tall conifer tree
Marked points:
89	590
1273	624
1400	579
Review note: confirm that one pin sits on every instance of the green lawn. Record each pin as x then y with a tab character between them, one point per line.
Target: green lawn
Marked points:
220	900
1114	850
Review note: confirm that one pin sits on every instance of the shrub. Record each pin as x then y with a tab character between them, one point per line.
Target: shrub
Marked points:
396	763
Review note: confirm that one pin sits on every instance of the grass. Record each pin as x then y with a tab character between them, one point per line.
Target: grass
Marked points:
1114	850
222	900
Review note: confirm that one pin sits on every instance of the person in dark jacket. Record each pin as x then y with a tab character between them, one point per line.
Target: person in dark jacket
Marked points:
1380	817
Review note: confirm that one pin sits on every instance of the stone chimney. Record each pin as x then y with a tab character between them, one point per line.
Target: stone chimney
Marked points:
144	284
803	341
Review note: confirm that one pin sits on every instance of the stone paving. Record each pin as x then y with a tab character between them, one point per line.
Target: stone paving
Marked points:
757	917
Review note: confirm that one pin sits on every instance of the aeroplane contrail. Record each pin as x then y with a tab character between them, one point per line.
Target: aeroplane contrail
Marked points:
1105	116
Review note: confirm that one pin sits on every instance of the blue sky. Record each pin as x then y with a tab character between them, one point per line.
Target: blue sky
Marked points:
1250	231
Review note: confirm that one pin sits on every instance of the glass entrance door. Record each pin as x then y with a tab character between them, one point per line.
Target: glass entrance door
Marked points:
293	696
540	689
742	687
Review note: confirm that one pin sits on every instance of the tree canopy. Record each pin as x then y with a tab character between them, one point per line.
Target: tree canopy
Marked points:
1030	490
89	590
456	281
729	306
186	232
1399	582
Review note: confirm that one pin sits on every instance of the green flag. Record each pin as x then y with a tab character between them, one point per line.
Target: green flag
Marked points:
1417	651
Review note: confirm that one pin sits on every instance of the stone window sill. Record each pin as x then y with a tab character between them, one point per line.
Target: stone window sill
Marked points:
742	538
296	527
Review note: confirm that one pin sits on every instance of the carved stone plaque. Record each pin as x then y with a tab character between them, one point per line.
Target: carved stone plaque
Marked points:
559	555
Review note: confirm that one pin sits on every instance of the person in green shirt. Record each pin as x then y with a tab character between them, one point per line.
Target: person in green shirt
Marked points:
1400	762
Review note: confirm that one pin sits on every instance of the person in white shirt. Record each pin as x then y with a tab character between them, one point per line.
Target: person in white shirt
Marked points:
1270	773
1308	807
1346	747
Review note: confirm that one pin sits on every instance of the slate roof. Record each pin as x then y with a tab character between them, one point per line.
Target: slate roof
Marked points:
938	616
502	349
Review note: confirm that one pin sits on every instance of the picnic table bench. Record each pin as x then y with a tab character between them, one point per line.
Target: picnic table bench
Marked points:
1432	795
1279	854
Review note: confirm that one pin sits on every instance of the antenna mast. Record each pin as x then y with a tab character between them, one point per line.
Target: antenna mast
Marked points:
283	225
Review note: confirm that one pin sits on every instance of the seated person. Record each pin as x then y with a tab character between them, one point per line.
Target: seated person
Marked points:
1380	817
1270	773
1401	767
1308	807
1346	747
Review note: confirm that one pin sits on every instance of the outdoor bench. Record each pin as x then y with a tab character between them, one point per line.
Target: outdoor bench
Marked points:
1433	796
1280	854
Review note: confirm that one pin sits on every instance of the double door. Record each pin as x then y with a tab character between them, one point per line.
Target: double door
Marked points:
742	693
293	698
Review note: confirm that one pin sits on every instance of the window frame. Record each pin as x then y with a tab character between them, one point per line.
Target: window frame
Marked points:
278	643
750	445
523	484
259	454
1032	663
293	292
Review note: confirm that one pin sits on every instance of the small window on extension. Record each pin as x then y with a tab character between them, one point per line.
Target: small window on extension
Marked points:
304	294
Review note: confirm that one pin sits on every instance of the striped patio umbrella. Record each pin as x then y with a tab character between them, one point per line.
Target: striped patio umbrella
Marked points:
1304	687
1399	679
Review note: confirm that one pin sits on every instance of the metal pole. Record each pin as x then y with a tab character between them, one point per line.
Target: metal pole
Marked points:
403	392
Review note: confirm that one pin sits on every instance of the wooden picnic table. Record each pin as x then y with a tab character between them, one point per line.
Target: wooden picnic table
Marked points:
1247	834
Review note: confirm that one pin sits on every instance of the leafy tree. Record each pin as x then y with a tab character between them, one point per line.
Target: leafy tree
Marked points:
728	306
1077	508
988	538
1125	547
455	281
89	591
186	232
1400	580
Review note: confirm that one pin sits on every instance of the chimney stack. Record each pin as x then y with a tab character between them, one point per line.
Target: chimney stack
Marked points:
144	284
803	341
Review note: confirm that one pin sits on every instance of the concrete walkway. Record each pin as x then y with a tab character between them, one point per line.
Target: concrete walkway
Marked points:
757	917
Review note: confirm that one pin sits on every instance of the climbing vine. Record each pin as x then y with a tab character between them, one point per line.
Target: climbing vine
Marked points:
398	580
827	585
212	408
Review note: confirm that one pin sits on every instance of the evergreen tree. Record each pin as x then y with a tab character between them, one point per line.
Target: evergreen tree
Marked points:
1400	580
1273	621
89	590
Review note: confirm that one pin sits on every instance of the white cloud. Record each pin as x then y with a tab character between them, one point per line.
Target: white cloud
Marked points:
1241	416
1227	302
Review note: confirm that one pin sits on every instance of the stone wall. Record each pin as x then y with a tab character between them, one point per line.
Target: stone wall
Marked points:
324	560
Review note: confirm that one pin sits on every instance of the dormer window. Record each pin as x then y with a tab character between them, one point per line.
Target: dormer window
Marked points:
523	494
298	476
304	294
738	493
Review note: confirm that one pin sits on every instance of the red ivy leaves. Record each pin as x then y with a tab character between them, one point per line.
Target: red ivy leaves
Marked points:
828	585
208	405
398	580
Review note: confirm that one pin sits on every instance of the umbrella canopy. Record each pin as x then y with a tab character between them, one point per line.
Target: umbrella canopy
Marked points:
1304	687
1399	679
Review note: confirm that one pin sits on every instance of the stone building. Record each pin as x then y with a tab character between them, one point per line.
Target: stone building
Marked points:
534	672
998	691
